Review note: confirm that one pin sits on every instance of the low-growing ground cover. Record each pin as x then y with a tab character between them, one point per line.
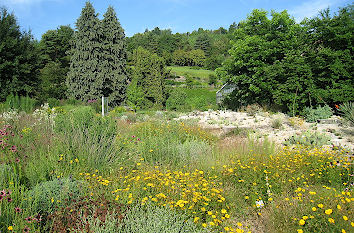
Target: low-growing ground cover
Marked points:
69	169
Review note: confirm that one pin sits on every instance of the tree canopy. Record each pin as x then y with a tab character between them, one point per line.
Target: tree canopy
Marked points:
276	61
98	58
19	58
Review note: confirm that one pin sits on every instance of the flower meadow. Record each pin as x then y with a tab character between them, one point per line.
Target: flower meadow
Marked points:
67	169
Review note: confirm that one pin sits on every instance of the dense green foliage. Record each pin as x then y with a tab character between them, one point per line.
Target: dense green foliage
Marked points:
19	58
18	103
112	77
55	62
186	99
147	88
98	58
85	54
176	100
206	48
275	61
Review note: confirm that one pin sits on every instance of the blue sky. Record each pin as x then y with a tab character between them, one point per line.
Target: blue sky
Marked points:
178	15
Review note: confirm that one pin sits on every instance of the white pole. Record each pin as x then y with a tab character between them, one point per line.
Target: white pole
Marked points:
103	106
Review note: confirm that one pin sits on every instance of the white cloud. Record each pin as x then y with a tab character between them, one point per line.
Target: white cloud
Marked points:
311	8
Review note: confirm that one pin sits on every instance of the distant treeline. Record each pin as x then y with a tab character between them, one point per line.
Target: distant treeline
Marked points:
204	48
271	58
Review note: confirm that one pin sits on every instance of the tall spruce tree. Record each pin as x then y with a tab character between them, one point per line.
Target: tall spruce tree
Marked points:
85	55
112	79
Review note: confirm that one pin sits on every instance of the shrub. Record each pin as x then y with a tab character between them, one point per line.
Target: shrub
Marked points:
312	139
53	102
119	109
46	196
347	111
189	81
72	101
177	100
86	214
212	79
150	219
315	114
193	150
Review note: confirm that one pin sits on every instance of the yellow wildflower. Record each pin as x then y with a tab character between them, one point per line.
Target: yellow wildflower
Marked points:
328	211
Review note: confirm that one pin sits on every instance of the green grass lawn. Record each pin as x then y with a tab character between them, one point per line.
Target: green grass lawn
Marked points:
182	70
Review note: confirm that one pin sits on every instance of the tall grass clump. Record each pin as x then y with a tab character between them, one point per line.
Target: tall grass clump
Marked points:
347	111
88	136
167	143
20	103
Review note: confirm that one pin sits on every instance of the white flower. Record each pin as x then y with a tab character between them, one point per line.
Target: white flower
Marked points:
259	204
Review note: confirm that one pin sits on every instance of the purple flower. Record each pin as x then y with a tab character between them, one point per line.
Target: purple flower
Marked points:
91	101
18	209
2	193
13	148
29	219
26	229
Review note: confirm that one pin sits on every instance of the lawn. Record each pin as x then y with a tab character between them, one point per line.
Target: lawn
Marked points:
183	70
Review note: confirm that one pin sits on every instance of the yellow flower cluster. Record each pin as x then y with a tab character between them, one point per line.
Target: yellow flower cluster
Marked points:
189	191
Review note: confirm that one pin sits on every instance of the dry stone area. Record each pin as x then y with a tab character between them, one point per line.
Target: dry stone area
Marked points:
276	127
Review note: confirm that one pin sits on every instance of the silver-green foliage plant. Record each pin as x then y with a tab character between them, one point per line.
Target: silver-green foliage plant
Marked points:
44	197
347	111
151	219
315	114
191	151
109	225
309	138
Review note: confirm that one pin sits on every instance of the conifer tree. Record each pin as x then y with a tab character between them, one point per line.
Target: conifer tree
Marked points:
112	78
148	77
203	43
19	58
85	55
